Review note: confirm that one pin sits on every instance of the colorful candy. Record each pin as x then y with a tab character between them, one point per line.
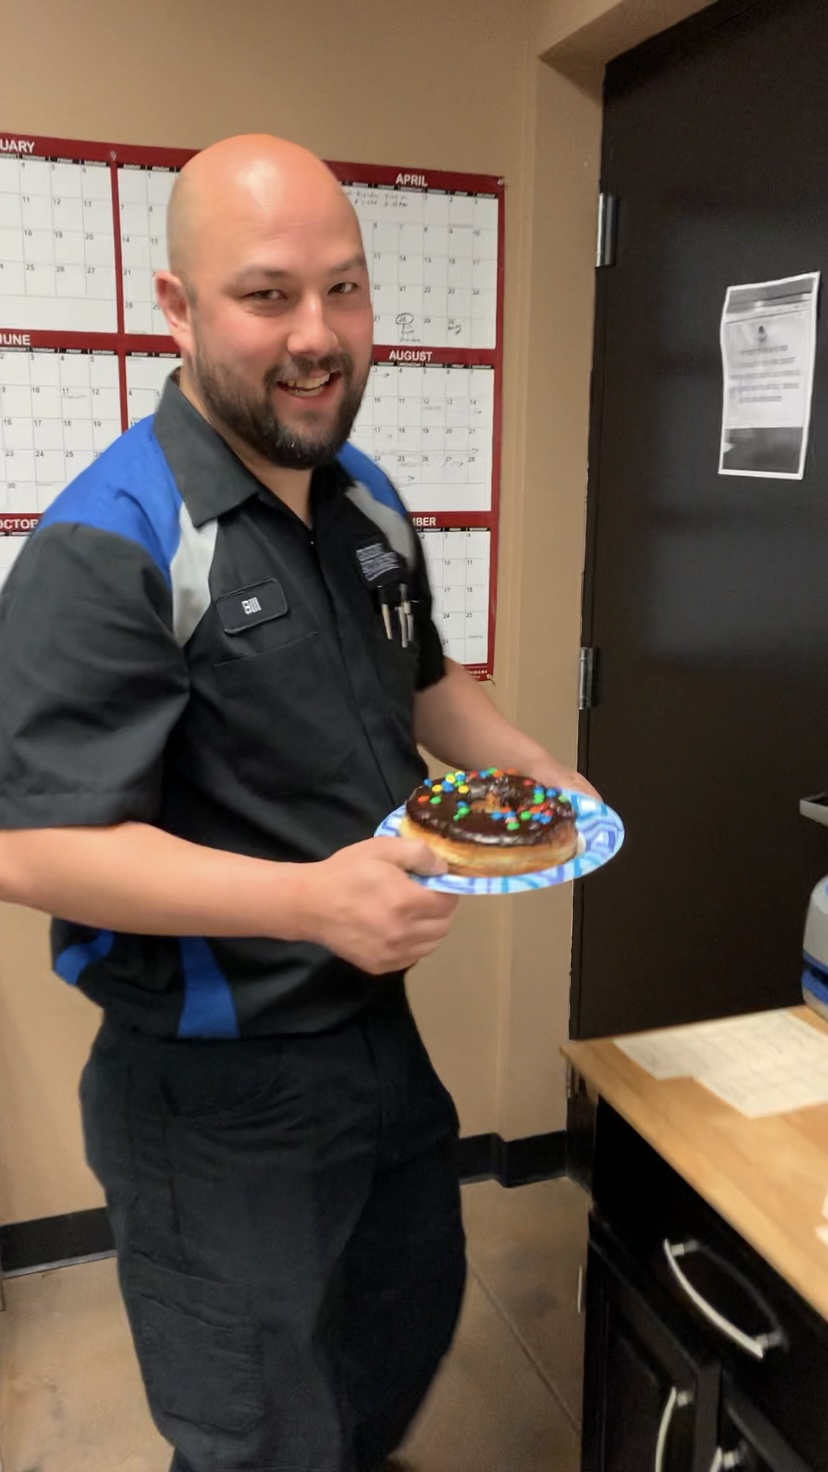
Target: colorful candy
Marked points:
521	804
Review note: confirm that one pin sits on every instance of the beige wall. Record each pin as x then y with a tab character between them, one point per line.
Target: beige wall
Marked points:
453	86
584	34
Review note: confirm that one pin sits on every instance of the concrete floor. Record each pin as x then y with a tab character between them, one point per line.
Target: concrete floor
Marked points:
508	1398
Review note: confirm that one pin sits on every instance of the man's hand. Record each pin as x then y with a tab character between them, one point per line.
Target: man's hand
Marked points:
362	904
457	723
552	774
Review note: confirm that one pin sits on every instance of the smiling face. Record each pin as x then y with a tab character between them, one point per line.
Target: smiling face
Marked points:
269	300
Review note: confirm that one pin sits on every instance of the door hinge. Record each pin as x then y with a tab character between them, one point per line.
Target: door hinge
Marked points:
607	229
586	679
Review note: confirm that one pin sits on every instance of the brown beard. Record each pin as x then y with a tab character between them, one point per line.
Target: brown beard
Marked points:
253	420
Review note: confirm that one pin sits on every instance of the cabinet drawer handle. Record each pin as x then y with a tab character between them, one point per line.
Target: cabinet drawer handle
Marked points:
676	1400
755	1345
725	1461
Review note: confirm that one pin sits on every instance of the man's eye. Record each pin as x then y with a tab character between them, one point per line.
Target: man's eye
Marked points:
270	295
345	288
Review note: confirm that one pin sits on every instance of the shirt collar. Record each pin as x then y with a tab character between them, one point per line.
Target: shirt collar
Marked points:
211	478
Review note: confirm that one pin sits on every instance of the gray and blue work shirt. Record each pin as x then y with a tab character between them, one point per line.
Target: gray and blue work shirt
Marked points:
178	648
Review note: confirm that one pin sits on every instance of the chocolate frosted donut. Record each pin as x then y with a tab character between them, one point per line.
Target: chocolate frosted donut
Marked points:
492	822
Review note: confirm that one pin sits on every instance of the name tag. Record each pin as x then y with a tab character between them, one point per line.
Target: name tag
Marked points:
379	564
249	606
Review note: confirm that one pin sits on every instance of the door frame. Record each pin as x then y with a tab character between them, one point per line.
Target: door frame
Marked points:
580	1105
623	70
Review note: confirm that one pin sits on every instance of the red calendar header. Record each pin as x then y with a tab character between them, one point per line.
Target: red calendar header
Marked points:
76	151
388	177
412	355
13	339
452	521
377	175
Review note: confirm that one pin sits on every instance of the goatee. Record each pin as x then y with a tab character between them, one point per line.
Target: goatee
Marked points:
254	421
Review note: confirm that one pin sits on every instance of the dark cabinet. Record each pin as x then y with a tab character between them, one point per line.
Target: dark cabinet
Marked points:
747	1441
699	1358
651	1403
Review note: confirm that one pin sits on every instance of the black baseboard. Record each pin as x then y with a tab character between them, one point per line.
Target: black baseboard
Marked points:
512	1162
53	1239
27	1246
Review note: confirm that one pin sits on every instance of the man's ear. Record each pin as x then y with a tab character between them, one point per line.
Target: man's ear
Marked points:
172	298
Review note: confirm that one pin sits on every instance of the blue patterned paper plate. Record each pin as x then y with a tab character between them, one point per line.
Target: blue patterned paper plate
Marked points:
600	836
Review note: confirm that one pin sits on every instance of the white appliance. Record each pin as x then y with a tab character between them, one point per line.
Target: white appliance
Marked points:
815	944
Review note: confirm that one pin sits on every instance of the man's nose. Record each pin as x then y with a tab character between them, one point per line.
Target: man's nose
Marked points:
311	335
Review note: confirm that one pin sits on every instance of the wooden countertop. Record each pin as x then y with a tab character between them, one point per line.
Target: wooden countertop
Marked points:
767	1177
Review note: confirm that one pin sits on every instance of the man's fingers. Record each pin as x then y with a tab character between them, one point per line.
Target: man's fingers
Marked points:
570	782
580	784
409	854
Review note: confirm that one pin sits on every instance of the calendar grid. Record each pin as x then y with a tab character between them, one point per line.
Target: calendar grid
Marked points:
84	349
430	428
58	411
459	565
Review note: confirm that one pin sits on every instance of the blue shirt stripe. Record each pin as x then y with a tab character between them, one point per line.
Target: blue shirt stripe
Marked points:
361	467
71	963
209	1010
129	490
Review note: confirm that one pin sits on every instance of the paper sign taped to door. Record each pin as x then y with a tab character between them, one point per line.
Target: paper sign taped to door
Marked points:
768	342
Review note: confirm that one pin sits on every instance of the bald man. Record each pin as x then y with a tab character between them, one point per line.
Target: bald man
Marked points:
218	661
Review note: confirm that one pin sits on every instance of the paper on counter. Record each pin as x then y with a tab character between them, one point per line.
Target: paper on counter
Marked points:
758	1096
689	1051
763	1064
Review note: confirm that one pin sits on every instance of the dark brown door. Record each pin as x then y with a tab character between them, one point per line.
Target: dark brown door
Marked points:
706	596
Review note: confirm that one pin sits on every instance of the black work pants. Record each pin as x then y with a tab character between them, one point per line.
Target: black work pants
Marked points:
287	1218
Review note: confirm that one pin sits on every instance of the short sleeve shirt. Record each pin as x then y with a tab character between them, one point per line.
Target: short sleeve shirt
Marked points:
178	648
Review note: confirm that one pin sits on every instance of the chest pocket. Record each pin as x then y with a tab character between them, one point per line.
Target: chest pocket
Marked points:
287	722
397	666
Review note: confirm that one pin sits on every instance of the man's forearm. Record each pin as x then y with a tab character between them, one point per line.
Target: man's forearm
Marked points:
458	724
137	878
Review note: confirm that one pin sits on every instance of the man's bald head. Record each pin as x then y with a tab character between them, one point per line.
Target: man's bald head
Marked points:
268	298
243	184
